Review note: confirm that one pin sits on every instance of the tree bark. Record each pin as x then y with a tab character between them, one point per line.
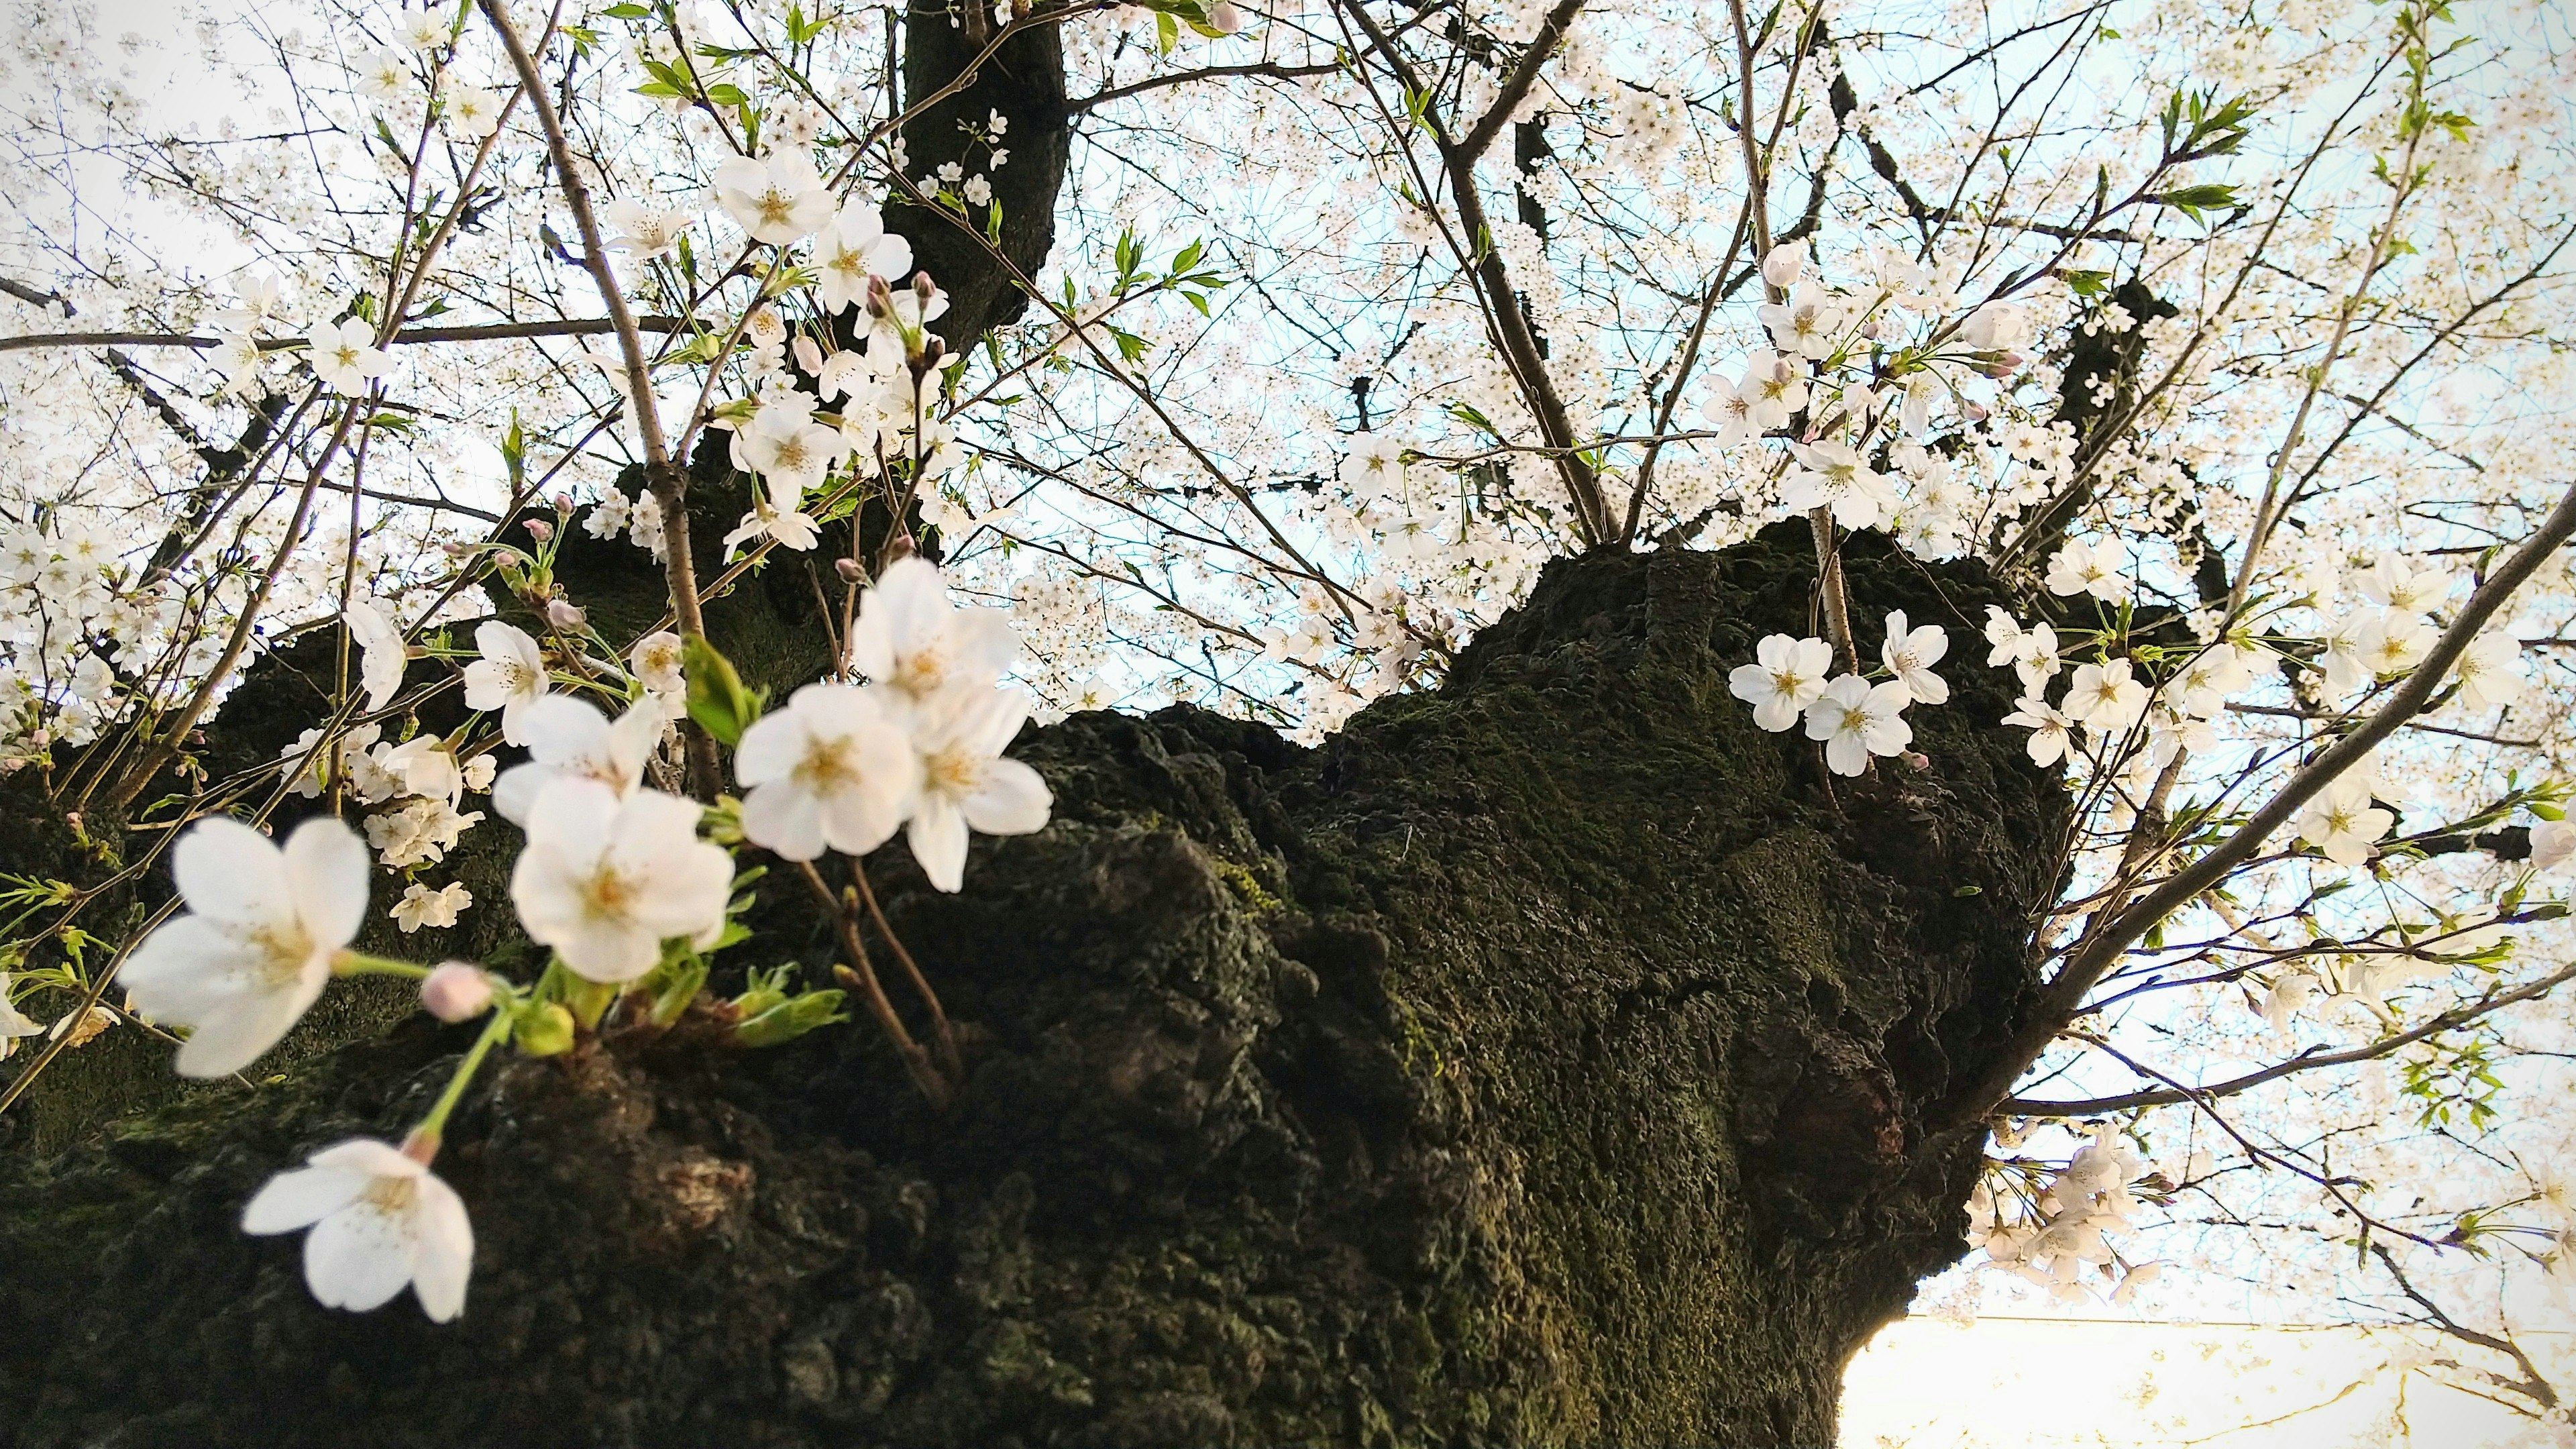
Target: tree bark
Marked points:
1538	1061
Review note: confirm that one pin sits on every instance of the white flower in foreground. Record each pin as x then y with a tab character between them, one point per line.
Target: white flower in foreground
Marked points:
381	655
776	200
344	355
2490	672
384	75
1909	654
1729	409
2099	569
2032	653
1806	324
422	28
1784	264
1834	475
257	944
2342	823
966	782
473	112
855	247
909	639
509	677
792	451
606	881
2394	583
426	768
643	232
1786	676
570	739
832	769
2051	737
1857	719
657	661
14	1023
380	1220
1775	387
2393	643
2103	697
2552	842
775	514
1374	467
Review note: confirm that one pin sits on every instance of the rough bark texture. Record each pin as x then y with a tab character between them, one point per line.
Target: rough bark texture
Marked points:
1537	1062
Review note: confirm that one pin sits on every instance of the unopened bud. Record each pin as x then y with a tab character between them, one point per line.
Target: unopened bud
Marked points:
456	992
880	297
545	1031
849	570
2004	365
1784	264
540	530
924	288
1916	760
455	550
1225	17
1871	329
564	614
809	354
1973	412
562	503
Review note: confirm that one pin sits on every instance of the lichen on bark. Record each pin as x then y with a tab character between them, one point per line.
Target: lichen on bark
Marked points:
1543	1059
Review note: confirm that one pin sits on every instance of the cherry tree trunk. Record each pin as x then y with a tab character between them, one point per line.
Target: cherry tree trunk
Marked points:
1544	1059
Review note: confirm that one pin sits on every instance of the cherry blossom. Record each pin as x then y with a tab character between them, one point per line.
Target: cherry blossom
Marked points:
1909	654
570	739
833	769
776	200
1786	676
509	677
605	881
344	355
263	927
1857	719
910	639
380	1220
966	783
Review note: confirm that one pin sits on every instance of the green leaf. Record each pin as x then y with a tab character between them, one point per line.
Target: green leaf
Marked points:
791	1019
717	699
726	93
627	12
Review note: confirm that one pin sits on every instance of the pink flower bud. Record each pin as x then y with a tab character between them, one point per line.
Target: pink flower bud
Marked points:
456	991
1917	760
880	297
564	614
848	569
540	530
562	503
1973	412
1225	17
924	288
809	355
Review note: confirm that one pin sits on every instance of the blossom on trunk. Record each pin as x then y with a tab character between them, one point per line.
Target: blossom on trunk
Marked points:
833	769
967	784
1786	676
256	946
380	1219
606	881
509	677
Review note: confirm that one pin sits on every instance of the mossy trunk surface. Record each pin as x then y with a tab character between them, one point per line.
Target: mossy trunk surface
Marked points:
1541	1060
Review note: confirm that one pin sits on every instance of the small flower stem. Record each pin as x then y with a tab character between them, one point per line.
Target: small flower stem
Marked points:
863	975
359	963
435	1123
948	1058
